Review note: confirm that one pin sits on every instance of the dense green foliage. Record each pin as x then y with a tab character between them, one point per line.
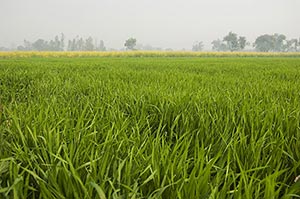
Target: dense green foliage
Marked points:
149	127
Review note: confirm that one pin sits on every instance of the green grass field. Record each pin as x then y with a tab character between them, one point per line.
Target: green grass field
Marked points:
150	127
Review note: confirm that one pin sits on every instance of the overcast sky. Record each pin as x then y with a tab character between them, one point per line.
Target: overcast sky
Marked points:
161	23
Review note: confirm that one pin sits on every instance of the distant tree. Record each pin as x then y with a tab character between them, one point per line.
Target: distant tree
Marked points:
275	43
242	42
218	45
198	46
85	44
292	45
232	41
264	43
62	42
279	42
27	46
89	44
56	43
130	43
80	45
21	48
72	45
101	46
40	45
51	45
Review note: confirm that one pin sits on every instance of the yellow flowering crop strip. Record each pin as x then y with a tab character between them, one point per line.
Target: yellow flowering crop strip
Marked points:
29	54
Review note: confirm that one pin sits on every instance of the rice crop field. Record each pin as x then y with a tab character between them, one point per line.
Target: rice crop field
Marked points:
121	127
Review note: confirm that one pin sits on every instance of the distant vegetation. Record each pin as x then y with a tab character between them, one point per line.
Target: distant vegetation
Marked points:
263	43
230	42
58	44
276	43
198	46
89	44
130	43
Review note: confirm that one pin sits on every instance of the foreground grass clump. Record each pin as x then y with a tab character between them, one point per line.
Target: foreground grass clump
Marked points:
149	127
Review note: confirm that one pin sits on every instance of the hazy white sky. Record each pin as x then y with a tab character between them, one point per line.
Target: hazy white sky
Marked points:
161	23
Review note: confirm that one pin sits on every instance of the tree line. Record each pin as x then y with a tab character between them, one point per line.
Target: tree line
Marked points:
263	43
230	42
233	42
58	44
